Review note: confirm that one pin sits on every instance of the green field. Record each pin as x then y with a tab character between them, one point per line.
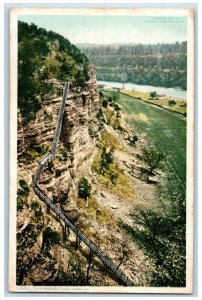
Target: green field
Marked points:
179	106
163	128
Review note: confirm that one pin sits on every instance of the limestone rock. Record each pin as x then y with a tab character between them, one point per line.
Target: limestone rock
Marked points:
43	273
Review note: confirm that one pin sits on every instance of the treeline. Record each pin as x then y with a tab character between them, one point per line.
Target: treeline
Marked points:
45	55
160	64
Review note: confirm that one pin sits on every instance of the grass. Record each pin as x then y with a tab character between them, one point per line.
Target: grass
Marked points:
32	153
142	95
165	130
111	117
122	187
109	140
96	212
161	102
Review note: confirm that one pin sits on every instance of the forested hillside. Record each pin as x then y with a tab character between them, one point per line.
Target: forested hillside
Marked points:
45	55
158	65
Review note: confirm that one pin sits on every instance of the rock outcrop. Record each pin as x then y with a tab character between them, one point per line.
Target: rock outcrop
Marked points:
77	138
73	160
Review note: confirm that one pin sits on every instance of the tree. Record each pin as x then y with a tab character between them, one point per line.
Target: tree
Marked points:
152	157
104	103
84	188
45	55
50	237
153	94
133	140
115	96
106	159
171	102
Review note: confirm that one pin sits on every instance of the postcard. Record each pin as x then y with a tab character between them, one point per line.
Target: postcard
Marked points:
101	150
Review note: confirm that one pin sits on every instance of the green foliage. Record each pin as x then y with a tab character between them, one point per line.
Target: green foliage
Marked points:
104	103
22	194
23	185
152	157
48	118
37	209
50	237
84	188
62	154
20	203
153	94
171	102
114	96
45	55
75	275
51	166
161	233
32	153
133	139
106	159
155	65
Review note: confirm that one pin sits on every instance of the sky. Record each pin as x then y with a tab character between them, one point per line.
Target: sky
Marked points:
113	29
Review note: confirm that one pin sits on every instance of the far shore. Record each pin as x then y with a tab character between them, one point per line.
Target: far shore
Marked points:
169	103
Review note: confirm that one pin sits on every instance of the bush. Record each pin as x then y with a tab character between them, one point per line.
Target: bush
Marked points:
153	94
51	167
22	194
63	154
106	159
50	237
84	188
171	102
152	157
23	185
133	139
37	209
104	103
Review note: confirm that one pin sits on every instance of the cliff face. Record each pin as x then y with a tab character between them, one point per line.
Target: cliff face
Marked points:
77	136
73	161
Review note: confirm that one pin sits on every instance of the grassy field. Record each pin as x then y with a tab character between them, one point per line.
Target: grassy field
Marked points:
163	128
160	102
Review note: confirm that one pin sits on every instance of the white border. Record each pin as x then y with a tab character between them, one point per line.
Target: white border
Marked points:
190	145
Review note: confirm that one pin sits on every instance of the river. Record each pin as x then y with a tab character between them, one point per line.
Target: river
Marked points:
171	92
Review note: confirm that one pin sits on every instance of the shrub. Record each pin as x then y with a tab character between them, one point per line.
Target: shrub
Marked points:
153	94
133	139
48	118
171	102
50	237
37	209
104	103
84	188
152	157
23	185
22	194
62	154
51	166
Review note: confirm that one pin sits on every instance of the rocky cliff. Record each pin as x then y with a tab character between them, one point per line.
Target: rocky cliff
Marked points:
73	161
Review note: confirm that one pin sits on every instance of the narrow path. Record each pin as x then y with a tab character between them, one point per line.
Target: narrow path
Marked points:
48	156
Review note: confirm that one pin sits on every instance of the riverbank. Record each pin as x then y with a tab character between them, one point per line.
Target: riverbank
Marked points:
170	104
131	87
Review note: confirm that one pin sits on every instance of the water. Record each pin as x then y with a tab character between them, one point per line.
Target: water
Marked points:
171	92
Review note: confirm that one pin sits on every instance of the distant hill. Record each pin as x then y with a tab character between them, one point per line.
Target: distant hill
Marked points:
158	65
